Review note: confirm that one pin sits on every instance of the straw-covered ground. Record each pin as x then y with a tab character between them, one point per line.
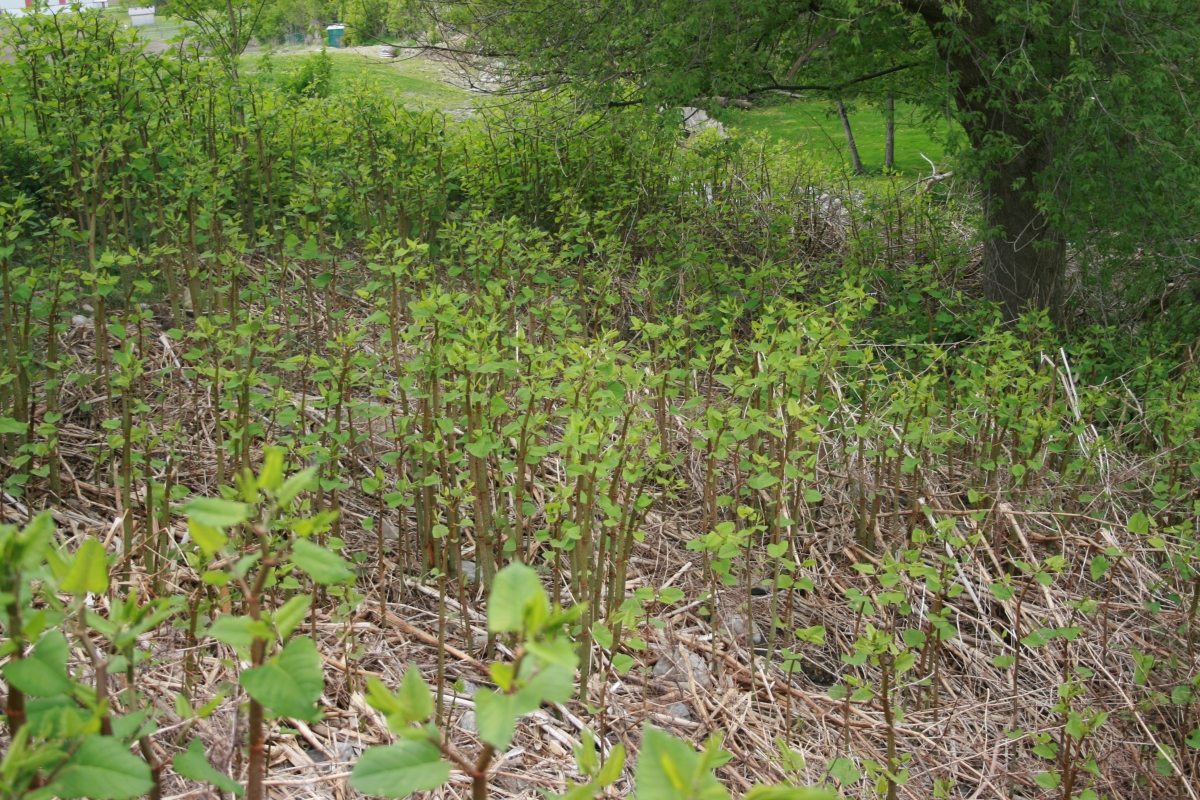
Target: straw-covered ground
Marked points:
961	705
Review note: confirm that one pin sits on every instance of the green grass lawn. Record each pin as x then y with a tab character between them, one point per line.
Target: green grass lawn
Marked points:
415	80
814	125
163	29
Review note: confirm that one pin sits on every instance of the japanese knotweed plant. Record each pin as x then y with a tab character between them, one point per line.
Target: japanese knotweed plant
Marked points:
250	541
66	740
542	670
1072	763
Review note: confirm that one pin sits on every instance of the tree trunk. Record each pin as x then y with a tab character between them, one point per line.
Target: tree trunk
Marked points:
1024	257
889	132
855	161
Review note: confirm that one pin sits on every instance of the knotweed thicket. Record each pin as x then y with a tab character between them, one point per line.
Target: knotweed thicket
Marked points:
306	358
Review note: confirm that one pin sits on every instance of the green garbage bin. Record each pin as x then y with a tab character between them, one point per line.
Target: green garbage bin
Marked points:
335	32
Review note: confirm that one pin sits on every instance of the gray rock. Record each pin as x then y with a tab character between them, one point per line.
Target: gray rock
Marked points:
468	689
515	786
467	722
391	533
735	623
680	710
696	120
671	667
80	321
470	570
346	752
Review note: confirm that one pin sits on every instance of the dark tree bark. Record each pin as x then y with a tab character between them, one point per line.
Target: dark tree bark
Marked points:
889	132
855	161
1024	257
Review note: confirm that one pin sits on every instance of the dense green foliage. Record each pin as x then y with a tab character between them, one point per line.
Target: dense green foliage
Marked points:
1079	120
296	21
515	339
313	77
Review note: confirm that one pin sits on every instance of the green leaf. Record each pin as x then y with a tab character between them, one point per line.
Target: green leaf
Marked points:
1143	664
1047	780
43	673
322	565
88	572
814	634
496	717
289	684
193	764
555	651
762	481
1164	764
777	550
602	635
553	683
1100	566
612	767
386	703
1046	750
844	771
209	538
237	631
1002	592
398	770
294	485
291	614
102	768
55	716
1139	523
10	425
34	539
670	595
414	696
217	513
502	674
670	769
271	476
517	598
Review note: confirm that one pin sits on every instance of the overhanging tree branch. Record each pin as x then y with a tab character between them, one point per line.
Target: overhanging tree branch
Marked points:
817	87
799	62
